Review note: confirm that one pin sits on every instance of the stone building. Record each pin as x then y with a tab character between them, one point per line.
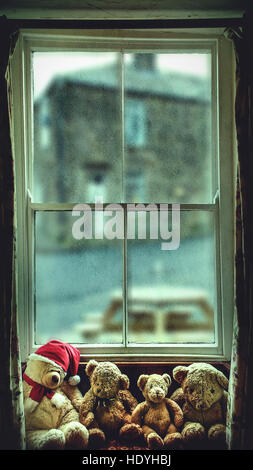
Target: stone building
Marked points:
164	156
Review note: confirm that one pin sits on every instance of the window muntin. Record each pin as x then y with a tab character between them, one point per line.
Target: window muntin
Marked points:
213	206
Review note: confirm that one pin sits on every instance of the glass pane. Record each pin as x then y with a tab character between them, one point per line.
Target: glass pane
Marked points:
78	280
168	127
171	293
77	127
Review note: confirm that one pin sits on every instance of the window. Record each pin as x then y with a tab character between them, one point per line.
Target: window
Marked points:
125	148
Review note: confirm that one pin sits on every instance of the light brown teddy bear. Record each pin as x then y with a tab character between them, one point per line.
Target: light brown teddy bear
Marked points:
107	406
50	402
203	399
160	417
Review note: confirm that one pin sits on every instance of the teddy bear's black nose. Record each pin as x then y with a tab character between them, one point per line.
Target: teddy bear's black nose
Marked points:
98	390
54	378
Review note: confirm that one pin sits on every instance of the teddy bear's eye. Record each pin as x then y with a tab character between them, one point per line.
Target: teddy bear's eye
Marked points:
191	390
212	390
151	386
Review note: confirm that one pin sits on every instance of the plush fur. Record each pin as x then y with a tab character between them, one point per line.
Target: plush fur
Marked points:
107	406
53	423
160	417
203	399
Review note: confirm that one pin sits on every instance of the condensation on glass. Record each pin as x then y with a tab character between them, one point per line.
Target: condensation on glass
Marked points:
79	134
123	128
75	280
171	294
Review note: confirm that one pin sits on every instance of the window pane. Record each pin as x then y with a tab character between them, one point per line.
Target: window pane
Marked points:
76	280
168	127
171	294
77	127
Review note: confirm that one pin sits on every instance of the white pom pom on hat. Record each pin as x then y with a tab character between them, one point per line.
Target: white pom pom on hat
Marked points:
60	354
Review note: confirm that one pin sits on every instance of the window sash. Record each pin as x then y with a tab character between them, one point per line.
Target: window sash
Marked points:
223	168
127	346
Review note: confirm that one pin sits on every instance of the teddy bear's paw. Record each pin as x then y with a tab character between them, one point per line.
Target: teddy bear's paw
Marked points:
193	432
217	431
130	432
53	440
76	435
58	400
154	441
217	434
173	441
96	438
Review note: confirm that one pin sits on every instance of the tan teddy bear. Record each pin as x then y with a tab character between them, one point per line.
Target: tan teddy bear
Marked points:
203	399
159	416
50	402
107	406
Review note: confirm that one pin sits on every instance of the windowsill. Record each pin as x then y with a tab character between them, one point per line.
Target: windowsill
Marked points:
133	371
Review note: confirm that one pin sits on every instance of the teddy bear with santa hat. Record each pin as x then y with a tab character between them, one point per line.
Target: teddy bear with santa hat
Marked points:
52	398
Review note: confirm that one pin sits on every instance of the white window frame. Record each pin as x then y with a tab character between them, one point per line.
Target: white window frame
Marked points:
222	206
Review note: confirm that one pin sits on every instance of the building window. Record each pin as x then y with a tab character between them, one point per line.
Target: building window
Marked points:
137	124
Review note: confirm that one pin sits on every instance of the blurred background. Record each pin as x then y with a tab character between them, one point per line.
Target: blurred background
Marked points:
167	159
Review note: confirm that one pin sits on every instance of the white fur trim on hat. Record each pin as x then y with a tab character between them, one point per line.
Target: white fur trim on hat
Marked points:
38	357
74	380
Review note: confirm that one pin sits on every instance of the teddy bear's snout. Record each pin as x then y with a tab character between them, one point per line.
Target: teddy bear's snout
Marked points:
52	379
103	391
202	405
157	394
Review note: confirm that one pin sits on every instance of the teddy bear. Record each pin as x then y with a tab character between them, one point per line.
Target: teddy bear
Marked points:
52	399
159	416
203	398
107	406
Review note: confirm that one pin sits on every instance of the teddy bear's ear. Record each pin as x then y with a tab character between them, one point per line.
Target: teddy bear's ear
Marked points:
179	373
142	380
221	379
91	366
167	379
124	382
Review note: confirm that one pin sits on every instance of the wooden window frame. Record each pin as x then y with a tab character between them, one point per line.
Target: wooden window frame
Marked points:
222	206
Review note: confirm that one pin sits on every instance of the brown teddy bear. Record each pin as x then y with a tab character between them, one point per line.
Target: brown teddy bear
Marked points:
107	406
160	417
50	402
203	399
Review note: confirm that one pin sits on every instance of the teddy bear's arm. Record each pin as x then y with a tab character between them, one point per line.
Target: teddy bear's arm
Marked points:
177	413
73	393
139	412
128	400
87	409
178	396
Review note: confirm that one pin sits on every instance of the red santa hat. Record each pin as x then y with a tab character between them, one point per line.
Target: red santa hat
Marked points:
60	354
